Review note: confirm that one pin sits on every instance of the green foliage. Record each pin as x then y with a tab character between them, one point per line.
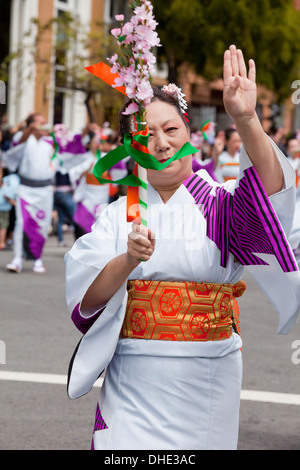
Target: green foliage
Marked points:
199	31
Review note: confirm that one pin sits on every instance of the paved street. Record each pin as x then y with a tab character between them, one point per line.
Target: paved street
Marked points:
39	339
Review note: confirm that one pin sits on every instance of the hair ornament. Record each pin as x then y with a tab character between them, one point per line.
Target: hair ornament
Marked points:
174	90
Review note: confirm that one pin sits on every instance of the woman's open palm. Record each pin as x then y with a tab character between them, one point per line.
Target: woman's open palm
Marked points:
240	92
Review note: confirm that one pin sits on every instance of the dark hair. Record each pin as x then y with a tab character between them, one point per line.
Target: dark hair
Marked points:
31	118
229	132
158	95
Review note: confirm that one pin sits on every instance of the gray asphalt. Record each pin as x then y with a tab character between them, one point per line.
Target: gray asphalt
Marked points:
40	338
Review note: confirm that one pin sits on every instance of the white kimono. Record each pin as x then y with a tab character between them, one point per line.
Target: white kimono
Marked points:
34	203
91	198
228	167
165	394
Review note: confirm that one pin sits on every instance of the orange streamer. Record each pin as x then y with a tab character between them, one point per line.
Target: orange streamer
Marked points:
103	71
133	212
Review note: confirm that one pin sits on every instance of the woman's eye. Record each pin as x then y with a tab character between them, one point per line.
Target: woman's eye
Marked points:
170	129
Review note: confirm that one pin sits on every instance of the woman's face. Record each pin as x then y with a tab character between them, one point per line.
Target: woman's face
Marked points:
294	148
167	134
234	143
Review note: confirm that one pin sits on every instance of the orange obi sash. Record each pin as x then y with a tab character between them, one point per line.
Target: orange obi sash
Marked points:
181	311
228	178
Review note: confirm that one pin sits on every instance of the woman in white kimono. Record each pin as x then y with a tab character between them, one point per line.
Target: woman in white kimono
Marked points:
90	196
32	158
163	328
228	160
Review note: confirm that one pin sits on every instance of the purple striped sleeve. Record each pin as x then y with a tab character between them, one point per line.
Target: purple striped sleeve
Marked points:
99	423
83	324
244	223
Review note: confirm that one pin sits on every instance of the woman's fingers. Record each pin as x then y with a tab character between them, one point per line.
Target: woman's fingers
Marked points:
141	242
227	69
241	64
252	71
234	60
234	65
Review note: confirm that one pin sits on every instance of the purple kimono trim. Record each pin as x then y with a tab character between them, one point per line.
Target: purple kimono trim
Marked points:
84	324
209	167
33	240
84	218
74	146
99	423
243	223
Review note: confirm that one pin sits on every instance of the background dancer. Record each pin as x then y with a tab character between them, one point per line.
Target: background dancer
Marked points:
32	157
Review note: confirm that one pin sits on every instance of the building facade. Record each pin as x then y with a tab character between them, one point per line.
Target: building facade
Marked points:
32	86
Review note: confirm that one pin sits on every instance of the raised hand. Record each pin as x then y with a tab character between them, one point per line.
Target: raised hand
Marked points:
240	95
240	92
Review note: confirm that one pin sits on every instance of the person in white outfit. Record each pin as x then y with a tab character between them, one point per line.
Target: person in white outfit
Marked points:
156	305
31	157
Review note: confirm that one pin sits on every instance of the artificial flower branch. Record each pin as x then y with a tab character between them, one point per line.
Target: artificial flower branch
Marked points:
135	64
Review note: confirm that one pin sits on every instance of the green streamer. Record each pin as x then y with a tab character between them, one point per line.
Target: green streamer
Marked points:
56	149
146	160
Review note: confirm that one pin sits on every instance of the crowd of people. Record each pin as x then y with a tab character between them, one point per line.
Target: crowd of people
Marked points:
47	182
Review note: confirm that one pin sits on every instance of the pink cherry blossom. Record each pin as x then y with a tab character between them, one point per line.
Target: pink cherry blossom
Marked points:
132	108
145	92
118	82
137	38
116	32
127	28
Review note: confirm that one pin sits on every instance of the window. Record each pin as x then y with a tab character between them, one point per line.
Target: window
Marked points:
67	5
118	7
61	57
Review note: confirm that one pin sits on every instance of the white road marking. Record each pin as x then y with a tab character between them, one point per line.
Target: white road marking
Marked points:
54	379
32	377
271	397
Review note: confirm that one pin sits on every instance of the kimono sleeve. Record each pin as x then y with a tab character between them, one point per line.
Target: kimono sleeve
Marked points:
89	255
13	157
12	186
84	262
244	222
